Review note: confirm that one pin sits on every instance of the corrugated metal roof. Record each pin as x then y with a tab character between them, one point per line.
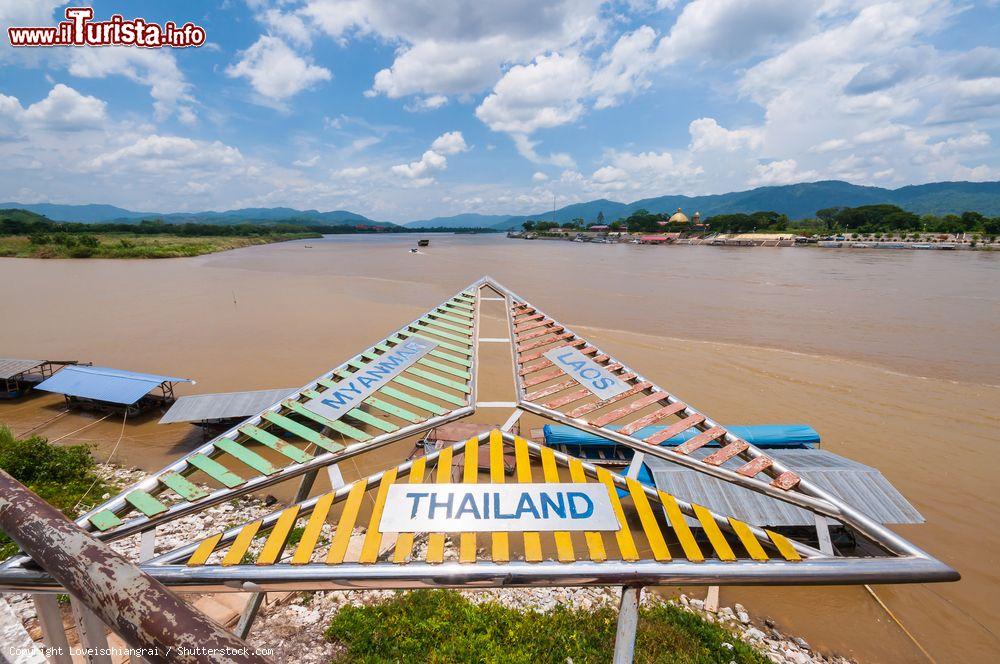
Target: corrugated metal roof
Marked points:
223	405
105	384
10	366
862	487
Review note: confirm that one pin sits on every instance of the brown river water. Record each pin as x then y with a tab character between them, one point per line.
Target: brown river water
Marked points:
893	356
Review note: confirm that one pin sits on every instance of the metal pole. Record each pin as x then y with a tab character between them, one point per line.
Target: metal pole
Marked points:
628	622
136	606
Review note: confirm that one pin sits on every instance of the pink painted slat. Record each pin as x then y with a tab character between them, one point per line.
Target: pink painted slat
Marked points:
756	466
597	405
546	363
726	453
543	377
787	480
675	429
540	333
655	416
638	404
550	390
702	439
531	325
538	343
528	357
570	397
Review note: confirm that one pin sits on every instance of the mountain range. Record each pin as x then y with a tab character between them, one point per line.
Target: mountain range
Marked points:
795	200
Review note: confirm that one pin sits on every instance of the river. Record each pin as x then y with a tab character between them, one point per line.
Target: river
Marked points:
893	356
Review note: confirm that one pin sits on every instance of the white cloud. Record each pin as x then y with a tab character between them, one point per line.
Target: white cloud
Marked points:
780	172
351	173
545	93
451	142
155	68
430	161
275	71
63	109
306	163
155	154
625	68
289	25
707	134
539	177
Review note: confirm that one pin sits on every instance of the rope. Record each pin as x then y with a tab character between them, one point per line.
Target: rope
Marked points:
53	442
901	626
111	456
37	427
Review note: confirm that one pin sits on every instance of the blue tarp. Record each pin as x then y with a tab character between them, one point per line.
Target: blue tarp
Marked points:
104	384
761	435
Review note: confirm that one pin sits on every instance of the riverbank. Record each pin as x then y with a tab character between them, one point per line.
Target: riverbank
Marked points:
132	245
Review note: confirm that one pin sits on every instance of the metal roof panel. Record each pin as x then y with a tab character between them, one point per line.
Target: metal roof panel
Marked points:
223	405
105	384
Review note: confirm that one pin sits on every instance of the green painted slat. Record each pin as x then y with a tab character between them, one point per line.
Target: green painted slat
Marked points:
368	418
444	325
428	390
465	323
440	380
361	415
215	470
345	429
387	407
457	304
302	431
437	353
145	503
443	344
370	355
182	487
444	368
105	520
356	364
390	391
278	445
469	297
249	457
423	329
462	314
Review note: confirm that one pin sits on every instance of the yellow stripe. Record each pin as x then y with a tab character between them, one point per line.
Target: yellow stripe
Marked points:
532	541
304	551
564	543
753	547
648	519
404	542
369	550
467	542
681	529
338	545
626	545
435	543
204	550
715	536
784	547
241	544
279	536
595	543
501	541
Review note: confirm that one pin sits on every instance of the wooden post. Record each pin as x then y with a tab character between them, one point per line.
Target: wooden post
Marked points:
53	631
712	599
90	629
823	534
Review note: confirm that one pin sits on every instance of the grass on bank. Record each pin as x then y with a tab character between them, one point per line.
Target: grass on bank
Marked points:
59	474
443	626
129	245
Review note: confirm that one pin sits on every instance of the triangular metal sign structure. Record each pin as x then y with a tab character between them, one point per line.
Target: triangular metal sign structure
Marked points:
424	375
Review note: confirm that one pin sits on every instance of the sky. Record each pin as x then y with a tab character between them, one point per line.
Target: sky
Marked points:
410	110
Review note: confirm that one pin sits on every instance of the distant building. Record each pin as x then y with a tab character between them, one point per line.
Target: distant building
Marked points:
678	218
598	229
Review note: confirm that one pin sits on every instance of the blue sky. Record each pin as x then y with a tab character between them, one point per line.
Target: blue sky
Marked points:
407	110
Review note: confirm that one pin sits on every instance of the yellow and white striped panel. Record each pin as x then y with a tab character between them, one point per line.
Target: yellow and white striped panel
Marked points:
652	524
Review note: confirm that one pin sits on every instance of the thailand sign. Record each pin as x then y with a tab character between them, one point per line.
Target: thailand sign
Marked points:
588	373
468	508
350	392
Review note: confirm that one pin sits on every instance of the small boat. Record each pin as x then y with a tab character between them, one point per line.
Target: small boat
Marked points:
308	246
423	243
921	245
947	245
860	245
830	244
414	251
